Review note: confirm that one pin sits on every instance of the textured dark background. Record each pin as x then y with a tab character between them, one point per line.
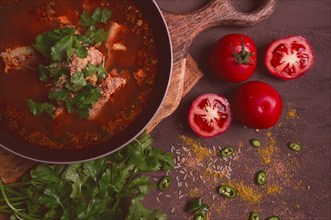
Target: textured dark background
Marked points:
299	182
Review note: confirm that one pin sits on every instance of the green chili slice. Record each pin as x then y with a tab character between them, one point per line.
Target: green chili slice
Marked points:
294	146
200	217
199	209
255	142
227	152
261	177
165	183
195	205
273	217
254	216
227	191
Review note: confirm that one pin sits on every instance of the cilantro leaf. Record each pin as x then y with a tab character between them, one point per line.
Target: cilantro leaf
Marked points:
39	108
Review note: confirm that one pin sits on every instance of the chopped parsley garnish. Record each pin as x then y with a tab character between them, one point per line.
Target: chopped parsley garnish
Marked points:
39	108
99	16
71	90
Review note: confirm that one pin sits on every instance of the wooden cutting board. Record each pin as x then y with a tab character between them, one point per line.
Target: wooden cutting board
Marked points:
185	72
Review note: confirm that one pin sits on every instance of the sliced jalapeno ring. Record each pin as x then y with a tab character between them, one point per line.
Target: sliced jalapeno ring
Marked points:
273	217
261	177
294	146
254	216
165	183
227	152
227	191
195	205
255	142
200	217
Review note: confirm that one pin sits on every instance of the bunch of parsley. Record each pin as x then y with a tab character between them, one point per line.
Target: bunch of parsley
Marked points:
108	188
58	46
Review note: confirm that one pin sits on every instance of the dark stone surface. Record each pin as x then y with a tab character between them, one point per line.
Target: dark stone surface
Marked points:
298	183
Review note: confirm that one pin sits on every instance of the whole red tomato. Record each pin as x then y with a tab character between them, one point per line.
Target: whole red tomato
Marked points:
233	58
210	115
289	57
257	104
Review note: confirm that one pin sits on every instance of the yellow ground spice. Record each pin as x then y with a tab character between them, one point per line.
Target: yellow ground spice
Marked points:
273	189
200	152
292	113
268	151
194	193
213	175
247	193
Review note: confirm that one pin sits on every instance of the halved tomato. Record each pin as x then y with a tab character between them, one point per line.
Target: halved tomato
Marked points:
210	115
289	57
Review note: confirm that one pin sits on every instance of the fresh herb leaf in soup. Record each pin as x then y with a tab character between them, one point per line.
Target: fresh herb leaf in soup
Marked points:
39	108
99	16
44	42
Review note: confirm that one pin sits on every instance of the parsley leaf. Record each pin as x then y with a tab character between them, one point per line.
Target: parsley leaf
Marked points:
52	73
99	16
96	35
91	69
60	48
45	41
77	81
105	16
39	108
107	188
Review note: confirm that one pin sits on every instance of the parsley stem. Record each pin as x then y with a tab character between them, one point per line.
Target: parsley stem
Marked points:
12	191
5	211
17	213
14	199
14	204
30	68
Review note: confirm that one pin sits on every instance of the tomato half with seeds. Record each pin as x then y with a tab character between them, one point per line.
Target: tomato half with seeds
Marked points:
256	104
290	57
210	115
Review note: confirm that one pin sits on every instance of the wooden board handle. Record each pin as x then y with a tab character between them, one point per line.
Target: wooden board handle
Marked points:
217	12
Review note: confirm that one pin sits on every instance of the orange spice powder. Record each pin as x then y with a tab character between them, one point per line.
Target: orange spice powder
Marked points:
268	151
200	152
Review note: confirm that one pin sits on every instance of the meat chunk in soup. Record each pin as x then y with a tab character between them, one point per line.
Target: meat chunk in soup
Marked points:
14	59
94	57
108	87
